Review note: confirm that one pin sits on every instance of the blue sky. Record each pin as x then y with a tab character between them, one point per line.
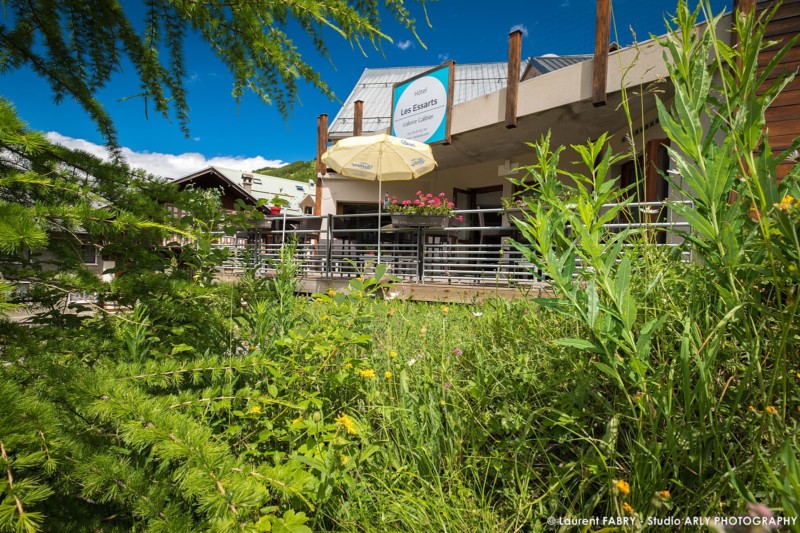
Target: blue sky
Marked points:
254	134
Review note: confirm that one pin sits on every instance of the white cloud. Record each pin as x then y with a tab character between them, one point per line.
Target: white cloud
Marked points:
565	3
444	57
167	165
520	27
404	45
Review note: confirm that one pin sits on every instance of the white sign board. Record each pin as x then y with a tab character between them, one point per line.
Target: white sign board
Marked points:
421	106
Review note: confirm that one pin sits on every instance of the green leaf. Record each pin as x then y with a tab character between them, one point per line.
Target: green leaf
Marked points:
580	344
178	348
741	488
291	523
605	369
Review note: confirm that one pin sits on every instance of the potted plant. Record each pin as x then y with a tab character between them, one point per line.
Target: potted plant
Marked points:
424	211
277	203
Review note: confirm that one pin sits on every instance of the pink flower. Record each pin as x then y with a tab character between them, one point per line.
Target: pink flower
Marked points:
441	195
419	193
458	351
417	202
450	204
394	202
460	218
406	202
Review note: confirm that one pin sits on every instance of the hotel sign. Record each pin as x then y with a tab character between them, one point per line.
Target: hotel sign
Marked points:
422	106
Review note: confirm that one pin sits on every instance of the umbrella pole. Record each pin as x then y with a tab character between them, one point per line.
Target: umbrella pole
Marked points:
380	208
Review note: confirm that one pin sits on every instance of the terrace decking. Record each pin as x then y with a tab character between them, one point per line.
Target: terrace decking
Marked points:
462	263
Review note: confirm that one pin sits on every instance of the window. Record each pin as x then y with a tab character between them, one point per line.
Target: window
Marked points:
89	254
299	188
82	298
256	181
308	210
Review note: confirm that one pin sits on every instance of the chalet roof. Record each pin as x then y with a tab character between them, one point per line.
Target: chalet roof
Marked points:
263	187
472	80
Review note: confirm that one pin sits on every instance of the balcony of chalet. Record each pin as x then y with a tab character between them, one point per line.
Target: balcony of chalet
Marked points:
462	262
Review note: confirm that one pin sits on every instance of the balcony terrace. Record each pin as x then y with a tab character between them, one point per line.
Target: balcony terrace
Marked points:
460	263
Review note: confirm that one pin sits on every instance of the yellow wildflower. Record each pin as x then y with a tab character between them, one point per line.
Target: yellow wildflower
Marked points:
256	409
298	420
347	423
253	348
786	203
798	375
324	318
445	309
771	410
387	375
393	354
367	373
627	508
623	486
391	312
663	494
423	331
345	459
348	365
331	292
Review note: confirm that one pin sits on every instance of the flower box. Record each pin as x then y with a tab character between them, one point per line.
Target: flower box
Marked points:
420	221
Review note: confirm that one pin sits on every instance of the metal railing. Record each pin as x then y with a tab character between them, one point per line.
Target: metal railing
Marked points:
344	246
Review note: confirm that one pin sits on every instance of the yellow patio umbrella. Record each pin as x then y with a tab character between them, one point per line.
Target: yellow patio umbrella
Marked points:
382	158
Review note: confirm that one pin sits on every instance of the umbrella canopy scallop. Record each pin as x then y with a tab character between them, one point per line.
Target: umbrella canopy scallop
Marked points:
380	157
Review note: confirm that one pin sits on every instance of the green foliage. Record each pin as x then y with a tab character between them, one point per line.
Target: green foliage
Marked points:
297	170
76	46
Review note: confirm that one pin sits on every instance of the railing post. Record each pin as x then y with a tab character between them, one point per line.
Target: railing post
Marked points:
420	255
329	247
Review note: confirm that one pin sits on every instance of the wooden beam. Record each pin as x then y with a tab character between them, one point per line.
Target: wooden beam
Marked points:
512	85
358	117
602	36
322	142
744	6
322	168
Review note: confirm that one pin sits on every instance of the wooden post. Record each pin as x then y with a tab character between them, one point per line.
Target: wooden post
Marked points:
358	117
322	169
602	36
512	86
744	6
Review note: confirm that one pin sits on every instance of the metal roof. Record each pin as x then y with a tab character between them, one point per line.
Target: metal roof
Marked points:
472	80
549	63
374	88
